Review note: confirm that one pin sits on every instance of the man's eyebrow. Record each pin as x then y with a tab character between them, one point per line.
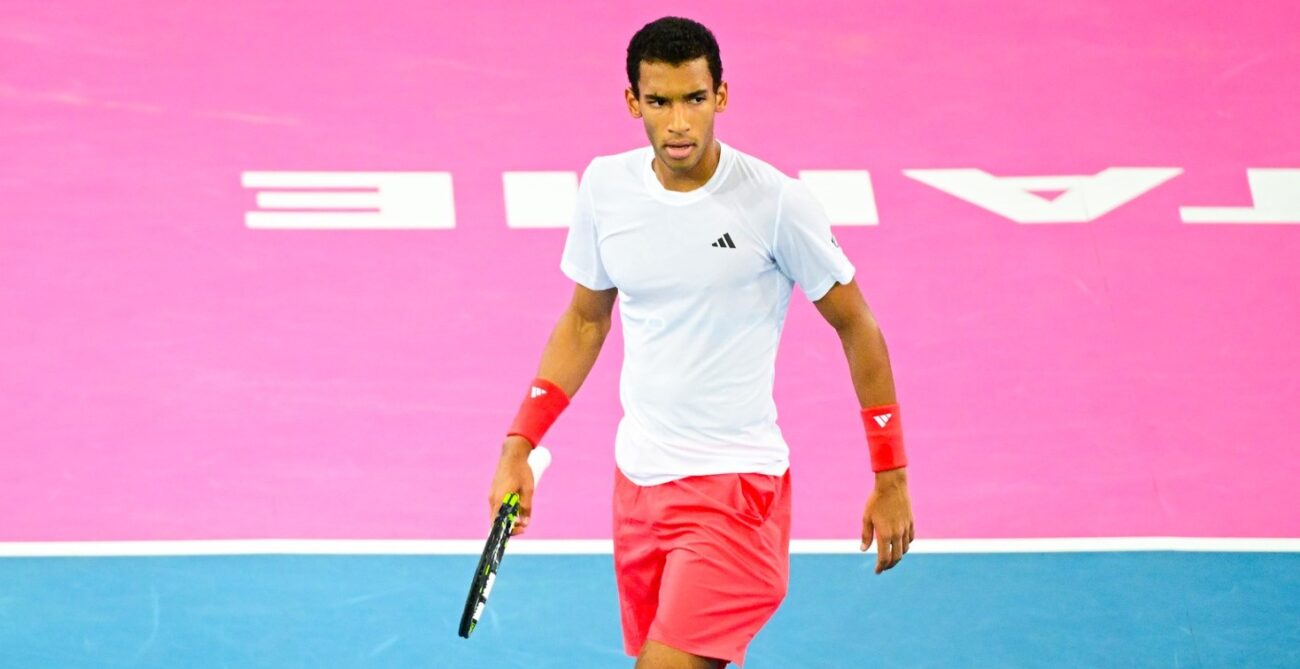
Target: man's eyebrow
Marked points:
655	96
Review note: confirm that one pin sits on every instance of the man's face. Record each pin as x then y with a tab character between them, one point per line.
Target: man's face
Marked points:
677	104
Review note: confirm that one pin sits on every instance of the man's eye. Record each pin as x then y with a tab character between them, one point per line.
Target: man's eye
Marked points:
697	99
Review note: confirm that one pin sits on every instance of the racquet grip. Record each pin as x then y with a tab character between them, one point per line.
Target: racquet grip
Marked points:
539	460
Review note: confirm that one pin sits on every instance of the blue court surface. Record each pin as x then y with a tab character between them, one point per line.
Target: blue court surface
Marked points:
1156	609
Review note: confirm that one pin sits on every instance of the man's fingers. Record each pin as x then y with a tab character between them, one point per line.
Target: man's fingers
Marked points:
899	539
883	557
525	516
867	534
525	511
521	520
494	503
891	550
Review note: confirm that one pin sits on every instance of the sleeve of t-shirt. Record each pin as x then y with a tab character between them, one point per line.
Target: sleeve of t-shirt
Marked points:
581	259
804	248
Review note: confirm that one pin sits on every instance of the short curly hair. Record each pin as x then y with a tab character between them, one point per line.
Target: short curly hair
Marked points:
672	40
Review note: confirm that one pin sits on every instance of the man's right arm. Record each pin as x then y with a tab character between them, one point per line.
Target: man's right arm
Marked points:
577	338
567	359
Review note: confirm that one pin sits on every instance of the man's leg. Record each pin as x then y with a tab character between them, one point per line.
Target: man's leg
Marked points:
638	563
725	571
655	655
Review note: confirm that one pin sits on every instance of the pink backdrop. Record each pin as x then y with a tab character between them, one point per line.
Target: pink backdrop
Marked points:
170	373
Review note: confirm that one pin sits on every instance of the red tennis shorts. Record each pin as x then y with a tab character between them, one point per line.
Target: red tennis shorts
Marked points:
702	562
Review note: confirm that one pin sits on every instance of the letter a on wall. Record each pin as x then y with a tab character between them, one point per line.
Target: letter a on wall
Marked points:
1082	198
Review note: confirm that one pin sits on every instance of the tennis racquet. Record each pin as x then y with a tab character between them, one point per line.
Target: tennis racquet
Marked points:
486	572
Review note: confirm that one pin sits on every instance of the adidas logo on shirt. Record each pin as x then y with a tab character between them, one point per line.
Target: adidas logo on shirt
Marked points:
536	392
724	242
883	419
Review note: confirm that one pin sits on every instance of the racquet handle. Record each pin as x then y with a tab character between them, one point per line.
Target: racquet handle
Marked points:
539	460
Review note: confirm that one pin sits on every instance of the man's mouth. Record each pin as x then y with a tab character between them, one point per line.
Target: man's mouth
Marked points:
679	150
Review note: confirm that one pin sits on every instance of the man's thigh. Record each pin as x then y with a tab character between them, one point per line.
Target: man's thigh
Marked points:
655	655
726	569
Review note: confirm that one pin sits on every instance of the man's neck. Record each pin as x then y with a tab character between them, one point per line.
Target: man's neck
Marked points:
698	176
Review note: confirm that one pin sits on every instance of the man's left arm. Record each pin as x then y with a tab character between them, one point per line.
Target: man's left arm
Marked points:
888	516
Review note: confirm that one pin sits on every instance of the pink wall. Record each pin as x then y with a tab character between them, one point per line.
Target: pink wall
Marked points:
170	373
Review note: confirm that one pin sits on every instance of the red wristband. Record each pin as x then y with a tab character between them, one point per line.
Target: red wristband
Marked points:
541	407
884	437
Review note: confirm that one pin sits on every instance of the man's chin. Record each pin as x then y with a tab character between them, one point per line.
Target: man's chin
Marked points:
685	164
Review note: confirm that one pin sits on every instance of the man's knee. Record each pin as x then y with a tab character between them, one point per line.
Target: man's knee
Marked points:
655	655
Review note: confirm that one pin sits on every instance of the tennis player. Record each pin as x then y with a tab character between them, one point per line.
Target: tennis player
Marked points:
704	244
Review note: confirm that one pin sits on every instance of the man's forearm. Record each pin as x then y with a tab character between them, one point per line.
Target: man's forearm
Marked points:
572	350
864	346
873	379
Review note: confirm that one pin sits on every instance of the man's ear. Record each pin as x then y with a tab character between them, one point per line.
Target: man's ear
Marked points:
633	104
721	95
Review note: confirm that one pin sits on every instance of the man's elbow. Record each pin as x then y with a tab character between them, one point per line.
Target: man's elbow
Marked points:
601	328
855	323
591	328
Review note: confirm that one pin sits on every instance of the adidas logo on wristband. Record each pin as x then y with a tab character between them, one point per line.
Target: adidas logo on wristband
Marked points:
883	419
536	392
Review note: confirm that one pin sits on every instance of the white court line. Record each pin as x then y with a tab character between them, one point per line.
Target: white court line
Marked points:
604	546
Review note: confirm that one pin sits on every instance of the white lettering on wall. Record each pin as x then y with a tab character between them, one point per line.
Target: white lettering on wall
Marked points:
351	200
1274	192
1082	198
540	199
845	194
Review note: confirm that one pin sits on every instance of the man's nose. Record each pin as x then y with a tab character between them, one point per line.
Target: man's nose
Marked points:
678	121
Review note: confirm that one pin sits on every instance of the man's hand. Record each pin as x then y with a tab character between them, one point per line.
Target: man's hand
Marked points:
889	518
513	475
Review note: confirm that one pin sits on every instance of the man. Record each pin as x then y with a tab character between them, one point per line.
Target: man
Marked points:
704	244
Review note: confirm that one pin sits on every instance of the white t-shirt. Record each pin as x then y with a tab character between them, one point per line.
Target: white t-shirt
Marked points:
704	280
